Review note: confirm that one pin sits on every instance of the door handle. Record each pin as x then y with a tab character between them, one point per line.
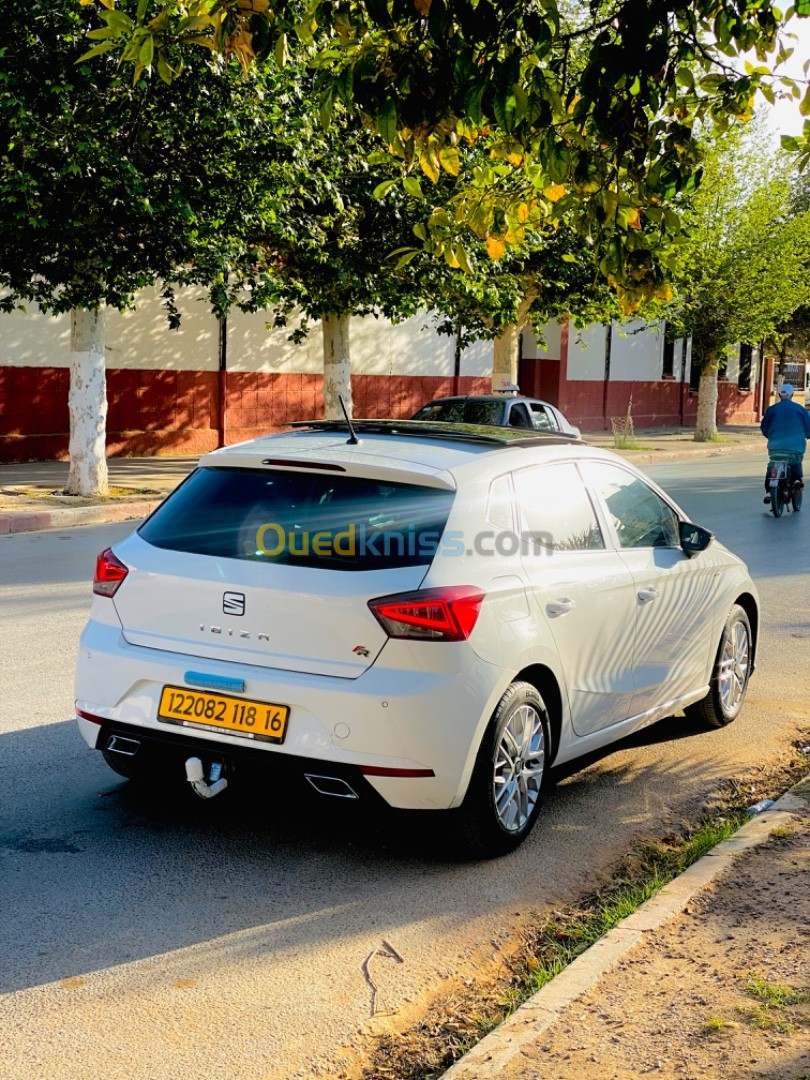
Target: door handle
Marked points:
646	595
559	607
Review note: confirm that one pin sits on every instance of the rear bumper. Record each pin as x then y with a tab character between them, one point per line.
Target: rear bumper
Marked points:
169	750
391	717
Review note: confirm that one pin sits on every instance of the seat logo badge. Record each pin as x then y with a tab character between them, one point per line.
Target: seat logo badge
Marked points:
233	603
361	650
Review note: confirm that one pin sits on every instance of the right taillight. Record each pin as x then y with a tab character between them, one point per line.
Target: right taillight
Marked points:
446	614
110	572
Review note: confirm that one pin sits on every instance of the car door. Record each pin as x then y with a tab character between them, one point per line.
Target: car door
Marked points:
581	591
675	595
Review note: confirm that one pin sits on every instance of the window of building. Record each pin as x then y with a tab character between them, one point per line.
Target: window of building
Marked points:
746	360
668	371
694	375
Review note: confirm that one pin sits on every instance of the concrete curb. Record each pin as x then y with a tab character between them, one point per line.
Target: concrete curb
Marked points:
36	521
496	1050
710	450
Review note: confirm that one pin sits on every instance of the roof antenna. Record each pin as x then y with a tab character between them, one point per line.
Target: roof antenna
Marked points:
352	440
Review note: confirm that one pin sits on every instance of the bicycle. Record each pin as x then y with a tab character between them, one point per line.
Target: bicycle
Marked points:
785	491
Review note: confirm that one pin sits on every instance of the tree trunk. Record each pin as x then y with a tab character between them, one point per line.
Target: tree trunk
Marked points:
337	372
505	347
505	358
87	405
706	424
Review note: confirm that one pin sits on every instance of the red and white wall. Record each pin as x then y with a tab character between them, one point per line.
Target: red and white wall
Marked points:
594	374
167	395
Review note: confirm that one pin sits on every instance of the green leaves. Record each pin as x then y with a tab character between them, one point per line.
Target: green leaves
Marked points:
412	187
381	190
387	120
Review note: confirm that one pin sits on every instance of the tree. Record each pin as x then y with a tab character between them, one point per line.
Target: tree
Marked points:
108	188
326	250
790	339
591	109
740	271
548	276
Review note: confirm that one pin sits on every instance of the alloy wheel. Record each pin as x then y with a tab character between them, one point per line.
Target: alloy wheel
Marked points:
520	761
734	664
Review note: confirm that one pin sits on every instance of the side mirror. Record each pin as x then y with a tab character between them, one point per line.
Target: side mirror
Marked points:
694	538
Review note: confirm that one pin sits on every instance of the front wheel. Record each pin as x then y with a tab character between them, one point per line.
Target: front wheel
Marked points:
796	496
732	670
506	788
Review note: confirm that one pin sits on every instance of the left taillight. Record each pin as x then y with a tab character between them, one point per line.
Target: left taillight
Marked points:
446	614
110	572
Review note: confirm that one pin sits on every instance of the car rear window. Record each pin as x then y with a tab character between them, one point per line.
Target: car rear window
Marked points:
279	516
462	412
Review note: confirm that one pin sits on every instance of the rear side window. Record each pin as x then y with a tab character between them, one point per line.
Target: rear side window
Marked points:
276	516
556	509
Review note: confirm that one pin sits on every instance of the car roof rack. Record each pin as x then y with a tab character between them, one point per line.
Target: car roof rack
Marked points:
479	433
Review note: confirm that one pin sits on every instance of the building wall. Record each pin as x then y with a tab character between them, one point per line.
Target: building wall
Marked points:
175	408
165	390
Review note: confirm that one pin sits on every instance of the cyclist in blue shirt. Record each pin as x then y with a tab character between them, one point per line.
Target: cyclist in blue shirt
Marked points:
786	426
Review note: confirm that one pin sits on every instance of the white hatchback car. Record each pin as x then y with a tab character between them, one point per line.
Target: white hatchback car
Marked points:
431	616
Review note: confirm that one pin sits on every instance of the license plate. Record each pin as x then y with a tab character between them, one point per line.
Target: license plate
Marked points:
257	720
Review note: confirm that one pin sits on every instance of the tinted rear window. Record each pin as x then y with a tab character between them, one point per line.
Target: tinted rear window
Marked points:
463	412
334	522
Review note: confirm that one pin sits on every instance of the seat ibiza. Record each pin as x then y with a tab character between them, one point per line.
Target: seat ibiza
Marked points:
427	615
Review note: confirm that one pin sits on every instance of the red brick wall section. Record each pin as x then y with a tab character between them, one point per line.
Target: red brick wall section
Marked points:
176	412
655	404
540	378
733	406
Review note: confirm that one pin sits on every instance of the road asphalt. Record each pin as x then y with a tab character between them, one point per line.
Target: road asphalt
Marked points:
543	1037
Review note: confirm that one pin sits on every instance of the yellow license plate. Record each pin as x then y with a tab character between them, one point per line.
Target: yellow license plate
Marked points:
219	712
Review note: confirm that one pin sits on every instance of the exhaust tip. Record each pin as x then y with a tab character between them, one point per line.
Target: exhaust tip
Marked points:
332	785
119	745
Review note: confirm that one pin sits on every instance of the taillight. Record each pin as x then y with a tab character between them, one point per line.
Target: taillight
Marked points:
447	614
110	572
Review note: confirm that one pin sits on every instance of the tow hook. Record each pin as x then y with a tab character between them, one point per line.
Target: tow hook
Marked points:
196	777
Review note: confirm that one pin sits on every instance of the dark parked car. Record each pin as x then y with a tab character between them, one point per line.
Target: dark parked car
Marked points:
498	410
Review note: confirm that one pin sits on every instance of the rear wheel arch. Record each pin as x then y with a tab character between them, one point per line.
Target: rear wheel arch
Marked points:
749	606
545	683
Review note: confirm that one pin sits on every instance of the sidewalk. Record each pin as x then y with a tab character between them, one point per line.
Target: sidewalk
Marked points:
145	481
708	980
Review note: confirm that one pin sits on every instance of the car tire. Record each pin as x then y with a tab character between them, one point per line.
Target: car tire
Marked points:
730	675
508	781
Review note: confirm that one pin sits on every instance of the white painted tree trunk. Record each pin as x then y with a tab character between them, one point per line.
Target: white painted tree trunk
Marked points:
337	371
505	358
706	423
87	404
